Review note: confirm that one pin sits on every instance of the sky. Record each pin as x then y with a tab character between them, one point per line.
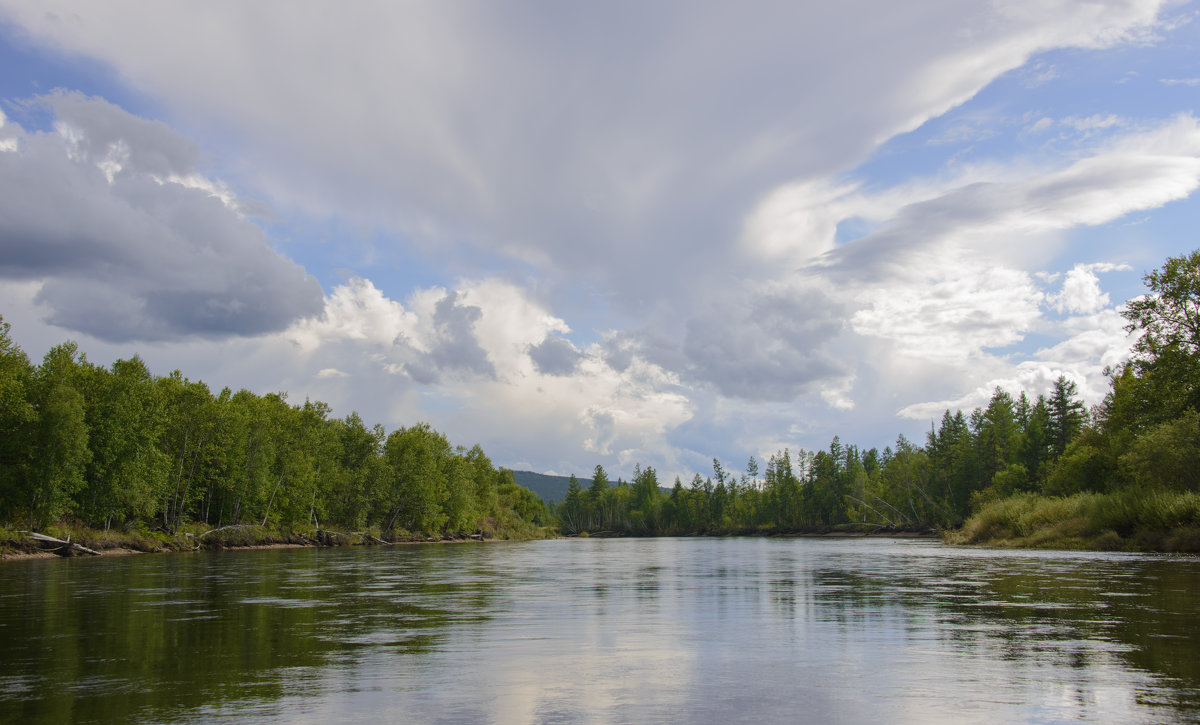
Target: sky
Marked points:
619	233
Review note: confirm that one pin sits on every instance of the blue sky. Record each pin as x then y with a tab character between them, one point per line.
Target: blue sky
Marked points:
654	233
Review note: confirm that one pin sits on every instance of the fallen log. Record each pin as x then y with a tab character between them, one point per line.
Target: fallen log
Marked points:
369	538
225	528
64	547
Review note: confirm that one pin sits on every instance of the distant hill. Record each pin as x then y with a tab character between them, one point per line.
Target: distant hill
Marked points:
548	488
554	488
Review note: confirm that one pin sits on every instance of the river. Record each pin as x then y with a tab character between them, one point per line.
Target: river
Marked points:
604	631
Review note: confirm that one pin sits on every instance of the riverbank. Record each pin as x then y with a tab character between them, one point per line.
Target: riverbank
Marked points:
20	545
1143	521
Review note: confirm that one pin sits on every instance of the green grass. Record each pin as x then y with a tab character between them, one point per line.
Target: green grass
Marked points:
1122	521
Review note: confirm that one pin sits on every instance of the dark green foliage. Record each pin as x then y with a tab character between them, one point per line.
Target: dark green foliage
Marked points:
121	448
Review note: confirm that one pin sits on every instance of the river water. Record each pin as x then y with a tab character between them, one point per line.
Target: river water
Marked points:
604	631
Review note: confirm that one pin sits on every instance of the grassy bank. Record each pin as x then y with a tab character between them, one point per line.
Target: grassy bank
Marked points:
197	537
1167	521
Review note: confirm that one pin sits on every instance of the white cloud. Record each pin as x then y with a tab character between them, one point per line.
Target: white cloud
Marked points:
1081	292
953	313
798	219
357	311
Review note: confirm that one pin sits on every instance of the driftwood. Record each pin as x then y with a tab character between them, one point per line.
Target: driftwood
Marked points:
226	528
370	538
64	547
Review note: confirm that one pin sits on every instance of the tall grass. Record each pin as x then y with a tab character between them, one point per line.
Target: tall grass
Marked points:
1129	520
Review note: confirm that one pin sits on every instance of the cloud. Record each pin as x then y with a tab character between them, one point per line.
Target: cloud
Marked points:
674	177
555	356
954	313
1134	172
123	252
452	345
474	345
617	139
1095	122
764	344
1096	341
1081	292
1042	125
944	278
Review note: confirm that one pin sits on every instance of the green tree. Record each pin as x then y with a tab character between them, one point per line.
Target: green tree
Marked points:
1035	449
189	424
127	475
17	420
460	505
359	472
570	511
996	435
1167	353
417	485
1067	415
487	483
62	454
646	504
596	499
1166	456
254	422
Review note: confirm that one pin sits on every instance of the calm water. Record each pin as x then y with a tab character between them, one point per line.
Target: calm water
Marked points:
604	631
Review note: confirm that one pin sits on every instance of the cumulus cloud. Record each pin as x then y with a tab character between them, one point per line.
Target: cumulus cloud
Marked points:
123	252
1081	291
475	343
452	345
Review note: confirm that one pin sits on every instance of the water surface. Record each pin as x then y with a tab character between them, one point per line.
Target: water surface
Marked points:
604	631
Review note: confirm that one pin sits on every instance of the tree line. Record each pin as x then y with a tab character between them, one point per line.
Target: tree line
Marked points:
119	447
1144	437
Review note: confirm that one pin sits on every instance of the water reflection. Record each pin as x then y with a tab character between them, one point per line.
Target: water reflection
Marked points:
662	630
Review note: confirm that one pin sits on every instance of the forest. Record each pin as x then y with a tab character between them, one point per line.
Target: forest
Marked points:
1035	472
119	448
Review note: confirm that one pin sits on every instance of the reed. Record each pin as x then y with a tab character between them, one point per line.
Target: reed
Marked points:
1124	520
